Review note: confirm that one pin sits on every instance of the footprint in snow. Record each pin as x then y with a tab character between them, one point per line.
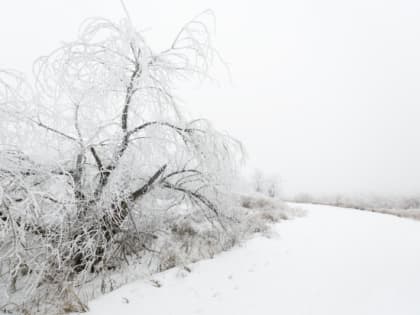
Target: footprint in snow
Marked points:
155	283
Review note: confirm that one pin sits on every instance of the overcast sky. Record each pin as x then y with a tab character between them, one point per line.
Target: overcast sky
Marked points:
325	93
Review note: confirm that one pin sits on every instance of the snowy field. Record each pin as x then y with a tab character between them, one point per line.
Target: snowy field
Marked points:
333	261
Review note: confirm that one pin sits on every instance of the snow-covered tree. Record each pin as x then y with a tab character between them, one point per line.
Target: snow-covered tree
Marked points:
96	142
268	185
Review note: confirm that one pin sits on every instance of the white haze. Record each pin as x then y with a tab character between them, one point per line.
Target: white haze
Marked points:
324	93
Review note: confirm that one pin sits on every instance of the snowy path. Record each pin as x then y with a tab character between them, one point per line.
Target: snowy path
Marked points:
333	261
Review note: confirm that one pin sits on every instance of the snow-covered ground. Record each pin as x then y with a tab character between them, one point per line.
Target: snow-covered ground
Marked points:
333	261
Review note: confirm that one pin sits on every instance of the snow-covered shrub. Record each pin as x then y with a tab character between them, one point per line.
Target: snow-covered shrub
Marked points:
404	206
